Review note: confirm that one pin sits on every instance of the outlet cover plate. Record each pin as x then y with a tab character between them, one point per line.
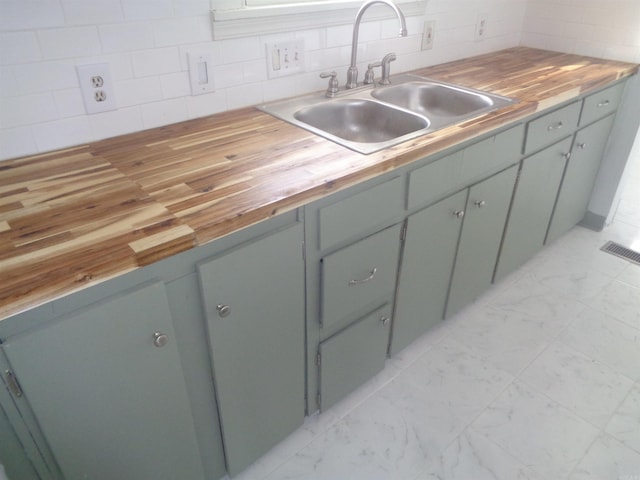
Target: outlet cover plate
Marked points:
201	72
427	34
97	87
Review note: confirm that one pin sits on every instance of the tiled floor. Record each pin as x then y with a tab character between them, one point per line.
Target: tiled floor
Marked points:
539	379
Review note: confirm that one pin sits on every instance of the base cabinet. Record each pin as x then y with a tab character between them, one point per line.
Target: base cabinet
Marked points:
254	306
12	454
533	200
107	389
427	262
579	177
484	220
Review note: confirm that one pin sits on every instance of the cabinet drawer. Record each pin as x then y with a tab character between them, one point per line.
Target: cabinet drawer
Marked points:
358	275
353	356
552	127
458	170
601	104
373	207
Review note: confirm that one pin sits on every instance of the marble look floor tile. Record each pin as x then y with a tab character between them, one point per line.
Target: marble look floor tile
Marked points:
335	454
625	423
631	275
473	457
456	379
528	296
571	277
608	459
619	300
606	340
536	430
405	426
588	388
507	340
580	238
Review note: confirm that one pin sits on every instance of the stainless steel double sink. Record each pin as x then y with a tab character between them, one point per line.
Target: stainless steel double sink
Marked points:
370	119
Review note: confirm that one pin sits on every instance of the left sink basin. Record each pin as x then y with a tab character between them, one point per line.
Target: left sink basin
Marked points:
360	120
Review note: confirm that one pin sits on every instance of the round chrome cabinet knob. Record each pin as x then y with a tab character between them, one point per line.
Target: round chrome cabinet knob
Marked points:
223	310
160	339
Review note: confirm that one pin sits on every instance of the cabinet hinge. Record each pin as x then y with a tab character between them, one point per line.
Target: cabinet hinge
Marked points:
318	398
403	232
12	383
318	359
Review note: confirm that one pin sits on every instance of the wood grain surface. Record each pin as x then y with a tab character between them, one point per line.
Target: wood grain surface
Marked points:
75	217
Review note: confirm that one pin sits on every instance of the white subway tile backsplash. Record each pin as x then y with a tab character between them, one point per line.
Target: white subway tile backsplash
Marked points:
19	47
83	12
27	110
17	142
138	91
175	85
116	122
69	42
147	9
70	131
177	31
155	62
30	14
69	103
125	37
164	112
145	43
45	76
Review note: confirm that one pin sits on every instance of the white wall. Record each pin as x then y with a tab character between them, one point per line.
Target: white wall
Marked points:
598	28
145	43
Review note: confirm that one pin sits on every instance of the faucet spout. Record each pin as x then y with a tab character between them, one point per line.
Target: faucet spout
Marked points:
352	73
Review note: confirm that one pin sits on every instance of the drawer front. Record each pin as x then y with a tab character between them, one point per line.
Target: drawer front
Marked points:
453	172
353	356
359	275
552	127
373	207
601	104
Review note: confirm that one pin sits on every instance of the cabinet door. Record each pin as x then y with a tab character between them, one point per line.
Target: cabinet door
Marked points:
579	177
532	205
484	220
353	356
254	303
110	403
427	263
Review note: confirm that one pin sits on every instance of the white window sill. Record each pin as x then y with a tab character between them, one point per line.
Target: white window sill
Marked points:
251	21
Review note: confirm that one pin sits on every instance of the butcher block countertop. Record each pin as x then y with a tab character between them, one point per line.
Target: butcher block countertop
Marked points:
75	217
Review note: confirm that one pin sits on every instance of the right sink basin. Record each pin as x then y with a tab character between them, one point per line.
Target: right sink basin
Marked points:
441	103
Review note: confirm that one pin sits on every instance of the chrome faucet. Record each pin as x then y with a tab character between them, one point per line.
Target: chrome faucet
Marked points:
352	73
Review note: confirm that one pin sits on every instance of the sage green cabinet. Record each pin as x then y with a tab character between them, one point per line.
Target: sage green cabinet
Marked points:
425	272
484	220
107	389
579	177
533	200
354	355
254	306
12	454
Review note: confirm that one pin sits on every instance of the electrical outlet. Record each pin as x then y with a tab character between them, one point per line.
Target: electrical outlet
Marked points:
481	28
97	87
427	34
285	58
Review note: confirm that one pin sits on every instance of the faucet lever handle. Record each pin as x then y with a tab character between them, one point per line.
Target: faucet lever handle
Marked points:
369	76
386	60
332	89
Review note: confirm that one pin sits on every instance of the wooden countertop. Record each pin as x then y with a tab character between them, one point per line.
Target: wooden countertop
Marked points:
76	217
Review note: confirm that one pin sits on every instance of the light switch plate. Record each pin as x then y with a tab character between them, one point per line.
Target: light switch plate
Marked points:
201	72
285	58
